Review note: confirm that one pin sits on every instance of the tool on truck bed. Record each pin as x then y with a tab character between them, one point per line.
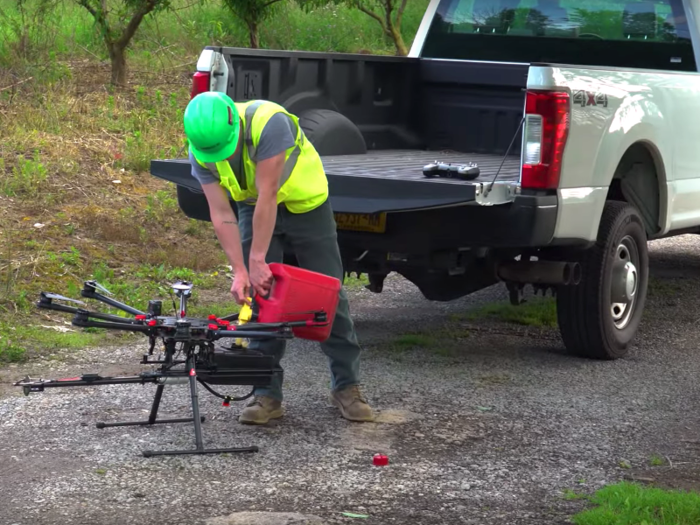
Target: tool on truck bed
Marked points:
301	304
469	171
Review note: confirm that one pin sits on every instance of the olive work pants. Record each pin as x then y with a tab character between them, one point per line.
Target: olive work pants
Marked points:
314	240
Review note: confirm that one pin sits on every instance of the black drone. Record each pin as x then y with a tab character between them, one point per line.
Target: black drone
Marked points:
189	354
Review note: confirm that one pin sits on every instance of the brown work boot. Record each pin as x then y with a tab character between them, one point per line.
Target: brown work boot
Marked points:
352	404
260	410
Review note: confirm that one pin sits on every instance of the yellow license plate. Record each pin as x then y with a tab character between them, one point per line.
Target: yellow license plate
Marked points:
361	222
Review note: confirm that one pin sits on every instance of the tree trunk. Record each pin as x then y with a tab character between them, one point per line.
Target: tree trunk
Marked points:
117	56
254	35
397	37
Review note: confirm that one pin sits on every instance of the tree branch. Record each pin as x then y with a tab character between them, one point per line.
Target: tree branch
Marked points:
268	4
134	23
372	14
100	19
399	15
388	8
89	8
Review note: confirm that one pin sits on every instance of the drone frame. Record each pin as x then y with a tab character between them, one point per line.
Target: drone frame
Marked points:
236	365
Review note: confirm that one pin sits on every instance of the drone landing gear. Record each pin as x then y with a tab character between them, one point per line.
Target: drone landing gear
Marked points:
151	418
196	418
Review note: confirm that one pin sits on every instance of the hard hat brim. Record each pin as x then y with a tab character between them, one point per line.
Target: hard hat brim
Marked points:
220	154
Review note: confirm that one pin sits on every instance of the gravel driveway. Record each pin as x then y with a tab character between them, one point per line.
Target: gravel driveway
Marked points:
489	425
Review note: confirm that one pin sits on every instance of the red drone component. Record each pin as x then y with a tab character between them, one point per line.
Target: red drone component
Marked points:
140	317
226	403
223	323
213	326
212	317
152	322
380	460
182	314
192	372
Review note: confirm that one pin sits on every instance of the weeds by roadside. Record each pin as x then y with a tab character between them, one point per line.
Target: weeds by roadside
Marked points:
537	312
632	504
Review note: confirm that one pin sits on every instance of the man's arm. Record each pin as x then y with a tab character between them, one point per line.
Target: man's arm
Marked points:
225	225
267	179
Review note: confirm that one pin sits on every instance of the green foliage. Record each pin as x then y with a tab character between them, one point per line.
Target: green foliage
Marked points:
25	179
656	461
117	24
415	341
539	312
632	504
387	13
253	13
18	338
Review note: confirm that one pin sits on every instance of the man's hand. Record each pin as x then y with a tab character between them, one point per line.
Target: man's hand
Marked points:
240	288
260	277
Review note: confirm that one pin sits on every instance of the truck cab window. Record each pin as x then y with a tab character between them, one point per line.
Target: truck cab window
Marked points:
628	34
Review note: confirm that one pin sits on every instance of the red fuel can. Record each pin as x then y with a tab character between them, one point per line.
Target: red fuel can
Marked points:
295	295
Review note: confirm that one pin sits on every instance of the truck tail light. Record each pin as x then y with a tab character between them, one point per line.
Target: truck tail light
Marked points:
200	83
544	137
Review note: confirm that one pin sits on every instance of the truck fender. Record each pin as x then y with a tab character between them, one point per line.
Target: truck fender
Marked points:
633	126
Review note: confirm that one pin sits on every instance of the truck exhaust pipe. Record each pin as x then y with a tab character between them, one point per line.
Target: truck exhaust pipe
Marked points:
553	273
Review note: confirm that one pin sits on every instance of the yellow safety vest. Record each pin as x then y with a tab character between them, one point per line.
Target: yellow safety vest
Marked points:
303	185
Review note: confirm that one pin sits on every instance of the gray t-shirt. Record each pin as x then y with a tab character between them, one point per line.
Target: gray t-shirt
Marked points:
277	136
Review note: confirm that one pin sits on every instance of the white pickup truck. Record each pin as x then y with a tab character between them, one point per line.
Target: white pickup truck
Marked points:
584	122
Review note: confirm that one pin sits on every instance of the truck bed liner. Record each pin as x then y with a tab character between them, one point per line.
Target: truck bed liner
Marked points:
408	165
382	181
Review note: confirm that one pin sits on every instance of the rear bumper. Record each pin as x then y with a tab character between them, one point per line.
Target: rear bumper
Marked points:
527	221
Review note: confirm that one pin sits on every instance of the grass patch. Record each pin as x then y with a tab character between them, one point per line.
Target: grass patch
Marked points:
440	342
570	495
19	340
352	282
407	341
538	312
656	461
631	504
664	287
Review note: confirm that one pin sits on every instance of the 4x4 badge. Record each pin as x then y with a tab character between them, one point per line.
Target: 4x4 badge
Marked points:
587	98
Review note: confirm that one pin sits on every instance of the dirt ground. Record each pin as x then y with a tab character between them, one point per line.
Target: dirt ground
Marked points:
495	424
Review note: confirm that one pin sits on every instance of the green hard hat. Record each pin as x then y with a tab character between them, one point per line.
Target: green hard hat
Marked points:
212	126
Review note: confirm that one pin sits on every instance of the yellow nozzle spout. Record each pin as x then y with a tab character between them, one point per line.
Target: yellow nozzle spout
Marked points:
245	315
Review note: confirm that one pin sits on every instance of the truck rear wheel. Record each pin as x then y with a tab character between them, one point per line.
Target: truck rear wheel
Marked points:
600	317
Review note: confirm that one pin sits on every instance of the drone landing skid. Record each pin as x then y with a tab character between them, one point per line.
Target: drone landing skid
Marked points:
196	418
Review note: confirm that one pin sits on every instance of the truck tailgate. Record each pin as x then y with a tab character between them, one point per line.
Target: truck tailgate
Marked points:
392	180
383	181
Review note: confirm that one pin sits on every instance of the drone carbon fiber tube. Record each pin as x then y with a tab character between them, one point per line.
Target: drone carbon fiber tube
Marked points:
81	319
111	302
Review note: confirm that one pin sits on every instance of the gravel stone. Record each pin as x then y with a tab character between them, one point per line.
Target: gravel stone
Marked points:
266	518
552	422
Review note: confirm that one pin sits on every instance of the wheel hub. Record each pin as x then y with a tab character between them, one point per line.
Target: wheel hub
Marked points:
624	282
624	286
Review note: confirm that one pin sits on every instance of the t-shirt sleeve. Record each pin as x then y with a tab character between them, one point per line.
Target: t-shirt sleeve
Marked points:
202	174
277	136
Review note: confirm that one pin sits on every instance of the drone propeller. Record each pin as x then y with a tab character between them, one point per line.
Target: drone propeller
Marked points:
62	298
